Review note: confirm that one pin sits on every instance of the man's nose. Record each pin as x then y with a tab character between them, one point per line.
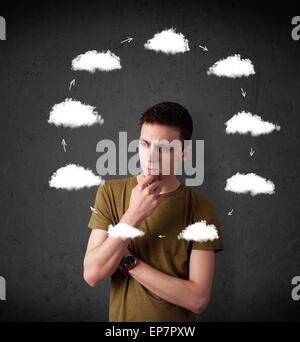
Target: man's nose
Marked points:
153	155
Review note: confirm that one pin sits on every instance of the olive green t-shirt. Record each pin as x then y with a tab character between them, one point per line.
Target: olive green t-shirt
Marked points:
129	300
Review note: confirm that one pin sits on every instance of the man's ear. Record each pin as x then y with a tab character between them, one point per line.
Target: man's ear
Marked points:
186	152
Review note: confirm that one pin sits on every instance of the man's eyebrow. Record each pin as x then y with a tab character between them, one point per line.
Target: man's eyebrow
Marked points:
158	144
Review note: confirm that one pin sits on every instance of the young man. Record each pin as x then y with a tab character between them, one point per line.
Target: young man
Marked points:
156	276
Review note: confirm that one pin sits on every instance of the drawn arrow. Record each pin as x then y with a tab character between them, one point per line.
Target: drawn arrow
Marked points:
126	40
243	92
161	236
251	152
72	83
94	210
204	48
230	213
64	144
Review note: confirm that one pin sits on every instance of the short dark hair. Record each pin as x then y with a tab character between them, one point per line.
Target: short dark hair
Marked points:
170	114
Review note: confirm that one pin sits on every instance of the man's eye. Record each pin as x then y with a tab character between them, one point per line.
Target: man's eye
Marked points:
160	148
164	148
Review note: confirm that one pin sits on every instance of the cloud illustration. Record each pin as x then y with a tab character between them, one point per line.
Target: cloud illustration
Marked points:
93	60
74	177
199	231
73	114
232	66
245	122
168	41
252	183
124	231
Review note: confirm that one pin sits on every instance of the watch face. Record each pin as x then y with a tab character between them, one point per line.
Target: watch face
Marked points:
129	261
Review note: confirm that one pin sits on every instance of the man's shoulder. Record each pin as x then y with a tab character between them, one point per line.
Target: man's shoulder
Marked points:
118	184
198	200
202	208
197	197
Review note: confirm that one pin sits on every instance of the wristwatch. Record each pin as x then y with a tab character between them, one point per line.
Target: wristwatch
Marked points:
127	263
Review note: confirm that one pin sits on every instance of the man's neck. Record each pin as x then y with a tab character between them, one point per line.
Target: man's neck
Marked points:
168	183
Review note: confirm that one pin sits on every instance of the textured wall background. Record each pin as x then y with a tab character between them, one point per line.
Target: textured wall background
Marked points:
43	231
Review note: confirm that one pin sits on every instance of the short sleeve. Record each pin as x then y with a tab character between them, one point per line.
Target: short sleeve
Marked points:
211	217
101	219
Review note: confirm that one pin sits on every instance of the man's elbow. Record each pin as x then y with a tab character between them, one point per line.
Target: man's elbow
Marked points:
91	279
200	305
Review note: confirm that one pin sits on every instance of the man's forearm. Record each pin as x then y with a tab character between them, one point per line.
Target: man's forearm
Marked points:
181	292
102	261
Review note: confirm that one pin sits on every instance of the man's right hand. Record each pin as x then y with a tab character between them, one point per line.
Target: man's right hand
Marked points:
145	197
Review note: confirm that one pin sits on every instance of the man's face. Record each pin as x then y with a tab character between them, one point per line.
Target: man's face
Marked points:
158	155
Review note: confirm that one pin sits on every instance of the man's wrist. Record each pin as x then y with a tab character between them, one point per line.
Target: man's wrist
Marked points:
132	219
125	266
138	262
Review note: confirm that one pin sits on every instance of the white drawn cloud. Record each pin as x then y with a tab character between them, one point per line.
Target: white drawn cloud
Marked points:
245	122
252	183
168	41
124	231
199	231
74	177
73	114
232	66
93	60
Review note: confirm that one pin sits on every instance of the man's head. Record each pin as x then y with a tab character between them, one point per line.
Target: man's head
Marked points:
164	127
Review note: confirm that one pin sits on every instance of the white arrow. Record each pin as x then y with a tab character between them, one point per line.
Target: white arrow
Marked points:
94	210
64	144
72	83
204	48
251	152
161	236
243	92
126	40
230	213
